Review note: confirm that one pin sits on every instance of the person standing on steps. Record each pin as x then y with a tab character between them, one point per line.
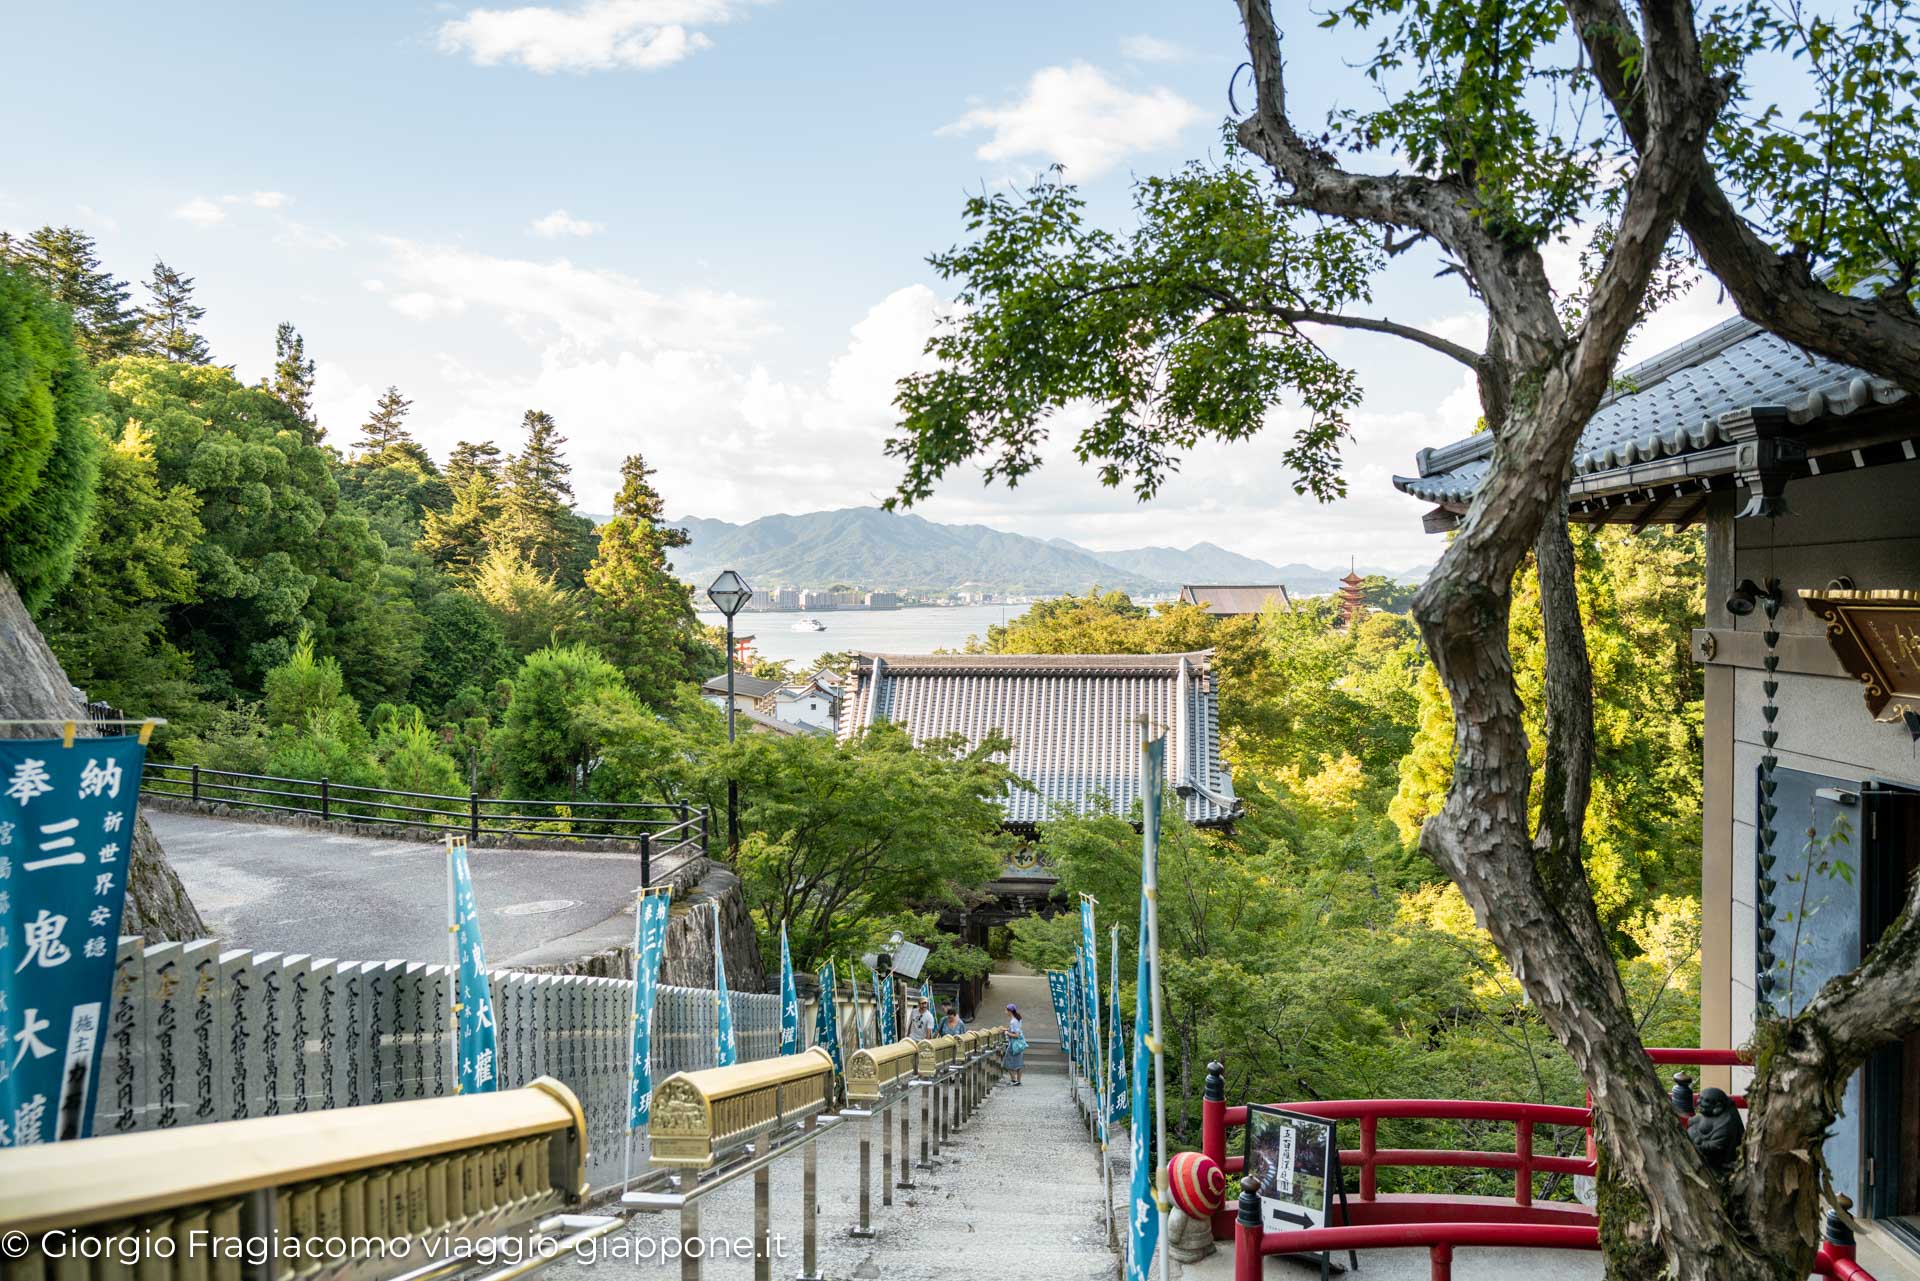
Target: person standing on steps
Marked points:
921	1026
1016	1045
952	1024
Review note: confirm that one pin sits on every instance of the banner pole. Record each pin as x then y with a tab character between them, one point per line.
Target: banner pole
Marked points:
453	963
1150	872
633	1021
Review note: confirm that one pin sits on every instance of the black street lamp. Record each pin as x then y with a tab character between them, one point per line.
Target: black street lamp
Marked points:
730	594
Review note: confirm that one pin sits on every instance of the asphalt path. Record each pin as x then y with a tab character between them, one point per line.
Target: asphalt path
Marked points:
297	889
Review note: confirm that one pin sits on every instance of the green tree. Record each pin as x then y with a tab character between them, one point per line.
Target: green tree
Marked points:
412	758
457	539
393	479
462	647
549	745
67	266
638	614
1102	623
1640	597
108	624
167	321
469	457
306	687
48	447
292	379
840	832
536	519
386	428
534	611
277	550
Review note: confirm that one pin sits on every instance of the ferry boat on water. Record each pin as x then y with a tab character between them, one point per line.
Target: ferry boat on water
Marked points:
809	625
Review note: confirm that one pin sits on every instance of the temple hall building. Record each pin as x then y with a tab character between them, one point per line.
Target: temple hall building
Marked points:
1075	724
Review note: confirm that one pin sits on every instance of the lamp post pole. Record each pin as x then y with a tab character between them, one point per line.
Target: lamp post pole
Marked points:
733	787
730	594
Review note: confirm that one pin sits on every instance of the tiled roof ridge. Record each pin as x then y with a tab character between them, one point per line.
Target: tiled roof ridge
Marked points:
1131	664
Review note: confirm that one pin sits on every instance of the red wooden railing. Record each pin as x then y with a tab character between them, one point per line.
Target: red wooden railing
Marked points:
1443	1223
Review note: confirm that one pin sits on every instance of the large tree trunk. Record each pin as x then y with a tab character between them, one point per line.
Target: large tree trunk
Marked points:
36	688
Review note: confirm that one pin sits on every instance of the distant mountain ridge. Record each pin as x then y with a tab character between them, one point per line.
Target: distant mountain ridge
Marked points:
885	550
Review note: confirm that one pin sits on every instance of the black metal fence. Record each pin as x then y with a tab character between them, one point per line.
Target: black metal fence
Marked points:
654	827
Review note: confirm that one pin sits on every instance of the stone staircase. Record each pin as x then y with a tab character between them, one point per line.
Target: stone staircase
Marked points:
1016	985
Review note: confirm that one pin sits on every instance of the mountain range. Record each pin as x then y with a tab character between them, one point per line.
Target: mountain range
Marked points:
886	550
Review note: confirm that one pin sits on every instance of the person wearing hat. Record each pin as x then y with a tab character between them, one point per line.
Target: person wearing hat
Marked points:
1016	1052
920	1027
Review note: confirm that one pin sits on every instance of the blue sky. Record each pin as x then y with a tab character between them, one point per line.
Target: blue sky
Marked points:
696	228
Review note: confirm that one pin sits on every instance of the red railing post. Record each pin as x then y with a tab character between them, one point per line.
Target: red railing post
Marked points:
1440	1261
1246	1234
1523	1148
1369	1145
1213	1115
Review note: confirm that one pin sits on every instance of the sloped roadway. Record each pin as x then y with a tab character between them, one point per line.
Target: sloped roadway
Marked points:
300	889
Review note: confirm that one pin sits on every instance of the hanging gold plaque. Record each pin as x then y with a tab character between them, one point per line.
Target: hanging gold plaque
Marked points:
1876	635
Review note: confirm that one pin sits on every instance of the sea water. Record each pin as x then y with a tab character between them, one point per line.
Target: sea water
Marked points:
873	631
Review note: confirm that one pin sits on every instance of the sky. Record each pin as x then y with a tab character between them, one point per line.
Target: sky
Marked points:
697	229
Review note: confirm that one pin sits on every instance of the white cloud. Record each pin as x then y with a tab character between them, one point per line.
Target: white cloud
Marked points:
598	35
298	235
201	212
561	223
731	439
97	220
261	200
1077	116
549	301
1154	49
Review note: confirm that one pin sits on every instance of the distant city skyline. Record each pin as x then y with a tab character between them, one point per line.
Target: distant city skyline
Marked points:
700	236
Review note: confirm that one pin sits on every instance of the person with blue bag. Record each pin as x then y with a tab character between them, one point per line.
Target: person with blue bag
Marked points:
1016	1053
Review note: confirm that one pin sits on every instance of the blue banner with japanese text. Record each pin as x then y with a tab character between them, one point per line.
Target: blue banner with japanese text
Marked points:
826	1026
789	1000
649	940
1057	988
67	817
725	1052
479	1050
883	998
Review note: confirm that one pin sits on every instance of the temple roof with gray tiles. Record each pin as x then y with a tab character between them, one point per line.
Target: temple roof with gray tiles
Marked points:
1677	406
1074	720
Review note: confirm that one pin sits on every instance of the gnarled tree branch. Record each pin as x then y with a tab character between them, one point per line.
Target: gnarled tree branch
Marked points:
1775	290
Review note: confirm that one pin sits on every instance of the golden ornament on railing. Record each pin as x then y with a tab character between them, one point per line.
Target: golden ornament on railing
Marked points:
874	1074
699	1117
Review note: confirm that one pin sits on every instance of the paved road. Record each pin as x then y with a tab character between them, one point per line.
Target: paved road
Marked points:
300	889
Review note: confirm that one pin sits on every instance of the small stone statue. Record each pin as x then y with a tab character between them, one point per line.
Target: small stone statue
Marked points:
1717	1130
1189	1239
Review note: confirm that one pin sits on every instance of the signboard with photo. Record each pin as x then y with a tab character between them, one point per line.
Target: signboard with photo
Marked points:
1295	1158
